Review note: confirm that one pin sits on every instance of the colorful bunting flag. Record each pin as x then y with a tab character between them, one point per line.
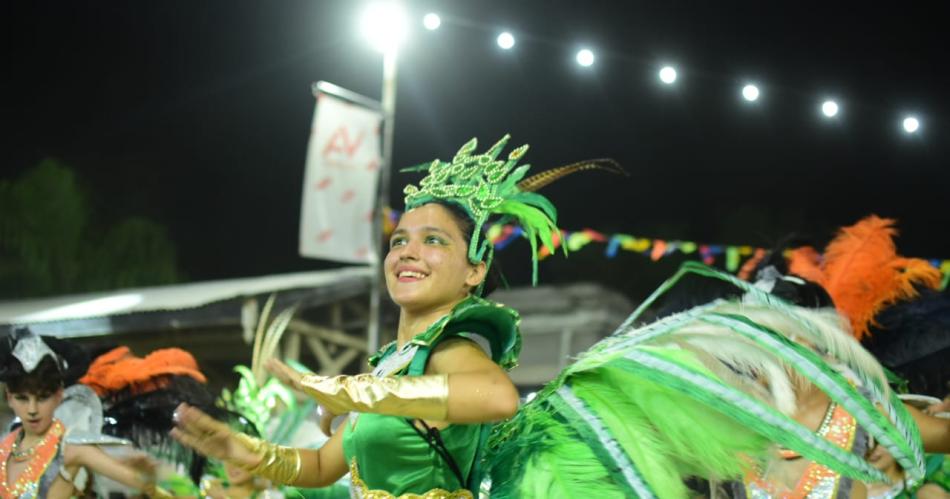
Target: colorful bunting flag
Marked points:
655	249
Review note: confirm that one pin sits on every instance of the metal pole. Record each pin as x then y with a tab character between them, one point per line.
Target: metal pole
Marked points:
329	88
389	113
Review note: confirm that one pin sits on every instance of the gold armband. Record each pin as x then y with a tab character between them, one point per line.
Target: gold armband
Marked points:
423	397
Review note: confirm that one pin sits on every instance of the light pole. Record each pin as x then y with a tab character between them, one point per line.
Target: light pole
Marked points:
384	25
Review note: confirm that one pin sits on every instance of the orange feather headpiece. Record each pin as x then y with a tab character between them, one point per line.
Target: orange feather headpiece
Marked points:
862	271
119	370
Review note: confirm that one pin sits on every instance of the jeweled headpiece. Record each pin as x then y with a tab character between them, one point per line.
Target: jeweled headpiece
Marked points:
485	186
29	349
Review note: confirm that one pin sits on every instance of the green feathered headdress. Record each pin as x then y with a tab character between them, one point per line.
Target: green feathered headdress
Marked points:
485	186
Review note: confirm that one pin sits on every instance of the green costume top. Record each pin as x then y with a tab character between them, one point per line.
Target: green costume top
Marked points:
386	455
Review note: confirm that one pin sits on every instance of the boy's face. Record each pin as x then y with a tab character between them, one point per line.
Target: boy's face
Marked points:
35	410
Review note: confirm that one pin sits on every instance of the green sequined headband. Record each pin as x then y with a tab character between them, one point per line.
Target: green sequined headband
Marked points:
485	186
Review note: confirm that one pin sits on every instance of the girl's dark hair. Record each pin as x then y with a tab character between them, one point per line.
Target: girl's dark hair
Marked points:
910	338
46	378
694	290
804	294
467	226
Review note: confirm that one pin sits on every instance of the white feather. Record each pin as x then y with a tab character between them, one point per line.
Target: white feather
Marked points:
747	366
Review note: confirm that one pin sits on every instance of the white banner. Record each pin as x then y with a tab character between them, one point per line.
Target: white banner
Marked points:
339	190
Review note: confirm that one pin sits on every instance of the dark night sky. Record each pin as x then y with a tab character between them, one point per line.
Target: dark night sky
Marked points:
196	113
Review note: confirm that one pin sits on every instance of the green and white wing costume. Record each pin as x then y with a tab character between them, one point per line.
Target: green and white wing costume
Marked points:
702	393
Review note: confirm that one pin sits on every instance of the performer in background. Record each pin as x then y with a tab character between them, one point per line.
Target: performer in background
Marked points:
51	454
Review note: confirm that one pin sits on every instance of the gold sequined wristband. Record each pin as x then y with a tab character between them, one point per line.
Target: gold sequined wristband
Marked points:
278	463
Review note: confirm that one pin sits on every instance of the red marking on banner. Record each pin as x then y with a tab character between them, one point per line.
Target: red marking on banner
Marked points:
325	235
348	196
373	165
362	252
369	216
323	183
340	142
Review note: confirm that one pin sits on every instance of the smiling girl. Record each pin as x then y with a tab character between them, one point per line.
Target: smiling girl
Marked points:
424	412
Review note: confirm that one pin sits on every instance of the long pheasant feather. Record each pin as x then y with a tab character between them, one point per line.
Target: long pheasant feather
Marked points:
537	181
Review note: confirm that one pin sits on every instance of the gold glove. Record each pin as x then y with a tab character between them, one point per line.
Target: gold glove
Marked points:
423	397
153	491
278	463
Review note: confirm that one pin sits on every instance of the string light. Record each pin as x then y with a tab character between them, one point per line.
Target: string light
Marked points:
383	24
750	92
829	108
432	21
911	124
585	57
506	40
668	75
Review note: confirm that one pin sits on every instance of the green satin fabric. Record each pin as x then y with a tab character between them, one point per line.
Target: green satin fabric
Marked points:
391	456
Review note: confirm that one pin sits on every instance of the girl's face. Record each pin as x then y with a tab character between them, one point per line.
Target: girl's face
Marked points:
427	265
35	410
881	459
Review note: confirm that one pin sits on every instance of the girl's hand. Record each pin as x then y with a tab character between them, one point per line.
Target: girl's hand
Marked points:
326	421
210	437
143	464
941	407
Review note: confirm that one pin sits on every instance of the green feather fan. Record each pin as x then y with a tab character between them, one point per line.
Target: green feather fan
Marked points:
705	393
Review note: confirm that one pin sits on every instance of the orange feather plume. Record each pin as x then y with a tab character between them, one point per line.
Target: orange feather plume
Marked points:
119	369
863	273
